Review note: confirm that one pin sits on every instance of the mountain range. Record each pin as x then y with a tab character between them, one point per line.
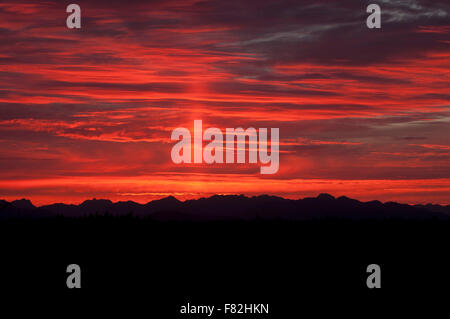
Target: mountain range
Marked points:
232	207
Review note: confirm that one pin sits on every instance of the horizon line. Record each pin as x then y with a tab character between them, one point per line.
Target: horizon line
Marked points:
224	195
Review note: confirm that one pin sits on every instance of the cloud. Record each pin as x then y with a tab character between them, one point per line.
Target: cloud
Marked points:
351	103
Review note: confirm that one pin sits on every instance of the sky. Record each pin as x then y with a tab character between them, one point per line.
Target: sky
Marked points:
88	113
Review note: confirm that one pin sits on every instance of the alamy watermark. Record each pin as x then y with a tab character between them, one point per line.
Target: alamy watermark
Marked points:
223	151
73	21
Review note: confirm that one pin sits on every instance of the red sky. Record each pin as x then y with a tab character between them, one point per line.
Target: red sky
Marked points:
88	113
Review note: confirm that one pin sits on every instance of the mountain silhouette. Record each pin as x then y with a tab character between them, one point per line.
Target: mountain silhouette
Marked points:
23	204
240	207
232	207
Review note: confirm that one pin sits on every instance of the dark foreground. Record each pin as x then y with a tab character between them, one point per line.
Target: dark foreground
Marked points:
139	266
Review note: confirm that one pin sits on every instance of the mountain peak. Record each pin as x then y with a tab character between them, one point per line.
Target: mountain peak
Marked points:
96	205
325	196
23	204
170	198
95	200
165	200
